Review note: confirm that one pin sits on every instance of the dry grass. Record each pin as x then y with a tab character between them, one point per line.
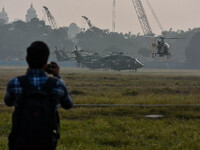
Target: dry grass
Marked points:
122	128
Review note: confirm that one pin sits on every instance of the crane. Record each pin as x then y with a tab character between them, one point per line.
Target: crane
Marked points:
155	16
88	22
50	18
142	17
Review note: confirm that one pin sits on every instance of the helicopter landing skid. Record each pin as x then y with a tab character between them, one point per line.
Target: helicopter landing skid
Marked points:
155	55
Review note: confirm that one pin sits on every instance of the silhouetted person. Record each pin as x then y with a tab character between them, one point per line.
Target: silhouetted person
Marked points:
36	97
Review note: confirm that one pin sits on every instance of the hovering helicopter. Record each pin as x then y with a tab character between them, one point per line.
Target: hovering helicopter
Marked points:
115	62
161	48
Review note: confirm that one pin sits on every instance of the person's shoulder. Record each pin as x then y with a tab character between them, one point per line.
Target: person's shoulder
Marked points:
16	80
58	86
60	82
57	81
13	81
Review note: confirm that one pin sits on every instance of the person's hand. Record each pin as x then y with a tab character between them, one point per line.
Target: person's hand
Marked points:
54	69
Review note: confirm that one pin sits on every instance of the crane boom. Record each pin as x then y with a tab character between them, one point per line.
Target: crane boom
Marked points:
155	16
88	22
142	17
50	18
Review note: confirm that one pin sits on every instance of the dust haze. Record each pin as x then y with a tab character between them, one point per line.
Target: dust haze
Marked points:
176	14
178	18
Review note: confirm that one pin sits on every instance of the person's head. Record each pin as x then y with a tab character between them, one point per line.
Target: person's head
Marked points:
37	55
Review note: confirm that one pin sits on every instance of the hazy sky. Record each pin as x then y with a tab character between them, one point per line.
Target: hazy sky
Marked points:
176	14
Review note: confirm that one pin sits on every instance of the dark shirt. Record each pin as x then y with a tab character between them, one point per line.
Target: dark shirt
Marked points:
38	78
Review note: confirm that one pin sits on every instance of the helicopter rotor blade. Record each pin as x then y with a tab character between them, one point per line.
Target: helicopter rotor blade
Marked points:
148	36
161	37
173	38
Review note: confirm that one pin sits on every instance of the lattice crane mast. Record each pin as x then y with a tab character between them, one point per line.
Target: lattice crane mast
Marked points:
88	22
142	17
113	15
155	16
50	18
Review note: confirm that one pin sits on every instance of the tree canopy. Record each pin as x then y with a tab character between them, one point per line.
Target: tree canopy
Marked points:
17	36
192	51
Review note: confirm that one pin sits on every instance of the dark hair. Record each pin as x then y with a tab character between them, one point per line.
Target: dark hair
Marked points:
37	55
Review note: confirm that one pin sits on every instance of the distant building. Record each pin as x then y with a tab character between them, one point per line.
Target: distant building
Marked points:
73	30
31	13
3	16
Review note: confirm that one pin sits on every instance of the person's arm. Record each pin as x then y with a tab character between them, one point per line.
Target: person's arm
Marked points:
65	99
12	92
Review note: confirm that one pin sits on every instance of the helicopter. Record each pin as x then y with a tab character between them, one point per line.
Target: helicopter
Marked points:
117	61
91	61
120	61
61	55
87	58
160	48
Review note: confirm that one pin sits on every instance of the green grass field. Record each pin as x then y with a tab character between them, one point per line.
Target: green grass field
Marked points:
122	128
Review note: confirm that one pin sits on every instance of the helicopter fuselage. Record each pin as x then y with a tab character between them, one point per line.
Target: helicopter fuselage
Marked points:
162	50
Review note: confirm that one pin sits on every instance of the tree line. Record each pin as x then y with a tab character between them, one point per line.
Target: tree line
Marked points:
17	36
